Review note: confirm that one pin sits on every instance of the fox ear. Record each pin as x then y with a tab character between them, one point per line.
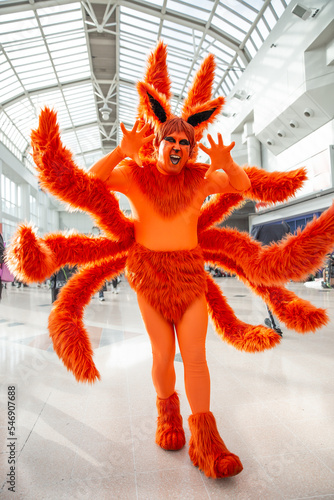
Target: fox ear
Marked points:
153	106
157	71
157	109
199	109
157	76
201	115
200	90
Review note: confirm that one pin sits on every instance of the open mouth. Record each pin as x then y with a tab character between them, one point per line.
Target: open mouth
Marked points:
175	159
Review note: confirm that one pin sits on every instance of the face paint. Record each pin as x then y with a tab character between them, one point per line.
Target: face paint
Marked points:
173	153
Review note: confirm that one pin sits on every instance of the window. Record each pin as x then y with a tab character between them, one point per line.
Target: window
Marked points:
33	210
8	230
11	197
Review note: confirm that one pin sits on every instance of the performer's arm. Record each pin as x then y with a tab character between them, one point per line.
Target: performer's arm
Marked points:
233	179
104	167
130	145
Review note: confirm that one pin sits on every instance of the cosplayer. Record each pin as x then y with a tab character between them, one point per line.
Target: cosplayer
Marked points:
165	224
164	246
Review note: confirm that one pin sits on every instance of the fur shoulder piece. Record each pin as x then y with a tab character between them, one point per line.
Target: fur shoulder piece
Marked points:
170	194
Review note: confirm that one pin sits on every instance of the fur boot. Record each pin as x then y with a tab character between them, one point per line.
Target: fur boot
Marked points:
208	451
170	433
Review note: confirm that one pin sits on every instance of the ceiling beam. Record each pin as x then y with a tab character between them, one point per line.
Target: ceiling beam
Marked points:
165	14
44	90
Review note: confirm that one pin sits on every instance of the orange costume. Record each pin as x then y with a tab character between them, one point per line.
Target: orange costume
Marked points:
164	246
166	266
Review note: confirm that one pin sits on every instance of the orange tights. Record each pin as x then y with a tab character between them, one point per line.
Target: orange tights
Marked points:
191	334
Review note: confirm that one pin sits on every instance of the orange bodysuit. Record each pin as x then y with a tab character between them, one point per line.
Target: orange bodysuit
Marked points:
165	266
165	208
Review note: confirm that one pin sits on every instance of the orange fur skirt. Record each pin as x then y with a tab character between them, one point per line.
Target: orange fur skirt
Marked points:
170	281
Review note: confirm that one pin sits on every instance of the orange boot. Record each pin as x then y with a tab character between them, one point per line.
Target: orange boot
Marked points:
207	449
170	433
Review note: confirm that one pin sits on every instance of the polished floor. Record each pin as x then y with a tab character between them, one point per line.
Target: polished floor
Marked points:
274	409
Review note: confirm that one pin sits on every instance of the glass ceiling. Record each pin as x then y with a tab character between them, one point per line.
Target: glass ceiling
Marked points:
57	55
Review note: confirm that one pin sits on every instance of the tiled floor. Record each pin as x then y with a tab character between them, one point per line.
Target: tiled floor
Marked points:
274	409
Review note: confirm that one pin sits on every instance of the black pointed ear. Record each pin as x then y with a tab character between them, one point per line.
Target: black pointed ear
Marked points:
202	116
153	106
157	109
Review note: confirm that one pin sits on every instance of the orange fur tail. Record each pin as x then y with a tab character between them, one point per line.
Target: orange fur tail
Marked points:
64	179
296	313
295	257
265	186
34	259
273	186
69	336
217	209
233	331
28	257
79	249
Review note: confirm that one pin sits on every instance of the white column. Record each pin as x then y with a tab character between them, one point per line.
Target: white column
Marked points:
253	145
42	212
25	193
254	151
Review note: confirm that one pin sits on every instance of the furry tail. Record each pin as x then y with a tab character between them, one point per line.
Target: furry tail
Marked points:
28	257
235	332
218	208
270	187
34	259
295	257
79	249
274	186
69	336
298	255
296	313
64	179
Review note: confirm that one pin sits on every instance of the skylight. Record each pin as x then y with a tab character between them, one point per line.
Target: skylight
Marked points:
49	56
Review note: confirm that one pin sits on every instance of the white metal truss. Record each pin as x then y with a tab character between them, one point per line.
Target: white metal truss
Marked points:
82	56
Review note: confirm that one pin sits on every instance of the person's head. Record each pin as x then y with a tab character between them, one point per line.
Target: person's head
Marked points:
174	142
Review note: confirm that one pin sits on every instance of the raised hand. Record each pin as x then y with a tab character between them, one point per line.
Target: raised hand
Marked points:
133	140
219	154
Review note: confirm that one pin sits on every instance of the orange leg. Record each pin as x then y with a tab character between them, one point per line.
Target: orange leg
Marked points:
170	433
191	333
162	337
207	450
